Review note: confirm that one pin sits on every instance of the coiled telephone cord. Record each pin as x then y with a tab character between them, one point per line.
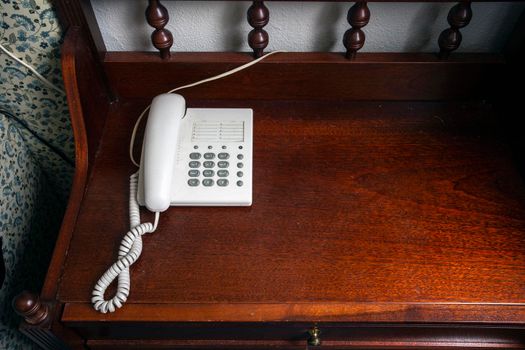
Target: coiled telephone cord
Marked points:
131	245
129	252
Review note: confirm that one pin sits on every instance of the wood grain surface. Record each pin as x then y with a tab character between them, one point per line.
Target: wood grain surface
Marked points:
371	204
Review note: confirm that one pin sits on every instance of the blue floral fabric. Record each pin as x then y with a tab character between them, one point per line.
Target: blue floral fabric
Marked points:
36	153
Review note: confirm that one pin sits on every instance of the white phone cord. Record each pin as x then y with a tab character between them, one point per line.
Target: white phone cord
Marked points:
129	252
38	75
131	245
207	80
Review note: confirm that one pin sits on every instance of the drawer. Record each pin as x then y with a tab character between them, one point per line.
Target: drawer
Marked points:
284	335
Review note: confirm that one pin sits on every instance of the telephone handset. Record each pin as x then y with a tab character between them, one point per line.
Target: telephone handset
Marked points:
195	156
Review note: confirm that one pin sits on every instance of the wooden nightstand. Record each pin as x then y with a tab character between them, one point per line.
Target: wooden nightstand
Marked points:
390	224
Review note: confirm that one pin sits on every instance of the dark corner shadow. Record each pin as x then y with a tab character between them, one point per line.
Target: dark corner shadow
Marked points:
139	16
513	15
232	21
2	265
424	22
326	33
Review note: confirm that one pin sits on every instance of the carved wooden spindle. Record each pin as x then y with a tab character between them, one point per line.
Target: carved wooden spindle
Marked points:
450	39
354	38
28	306
157	17
258	17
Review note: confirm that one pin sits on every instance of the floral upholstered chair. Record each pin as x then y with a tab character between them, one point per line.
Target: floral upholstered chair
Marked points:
36	153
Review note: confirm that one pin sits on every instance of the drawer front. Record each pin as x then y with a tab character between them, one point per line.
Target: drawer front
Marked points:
285	335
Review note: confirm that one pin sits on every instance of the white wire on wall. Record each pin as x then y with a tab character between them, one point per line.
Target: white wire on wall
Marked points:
31	69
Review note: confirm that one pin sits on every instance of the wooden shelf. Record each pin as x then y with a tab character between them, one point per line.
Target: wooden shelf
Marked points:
385	224
362	212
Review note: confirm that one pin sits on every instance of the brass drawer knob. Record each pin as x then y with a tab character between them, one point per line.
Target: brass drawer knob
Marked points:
315	337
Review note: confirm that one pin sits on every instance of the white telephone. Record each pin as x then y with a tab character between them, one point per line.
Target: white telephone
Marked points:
190	157
195	156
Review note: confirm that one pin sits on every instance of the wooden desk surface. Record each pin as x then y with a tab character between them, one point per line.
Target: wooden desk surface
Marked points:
361	212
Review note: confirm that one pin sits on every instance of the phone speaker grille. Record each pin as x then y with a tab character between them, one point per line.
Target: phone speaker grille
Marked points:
226	131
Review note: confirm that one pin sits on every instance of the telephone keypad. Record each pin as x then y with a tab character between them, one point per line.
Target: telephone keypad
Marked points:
208	173
223	173
193	182
222	182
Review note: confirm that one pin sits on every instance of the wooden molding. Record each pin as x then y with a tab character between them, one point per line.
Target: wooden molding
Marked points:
306	76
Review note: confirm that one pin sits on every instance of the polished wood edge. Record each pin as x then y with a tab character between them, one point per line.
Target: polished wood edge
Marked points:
69	13
29	306
307	312
420	1
51	283
79	13
307	76
45	338
112	57
51	334
297	344
94	29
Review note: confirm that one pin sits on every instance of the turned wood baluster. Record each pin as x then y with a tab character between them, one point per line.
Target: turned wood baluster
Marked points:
354	38
258	17
450	39
157	17
28	306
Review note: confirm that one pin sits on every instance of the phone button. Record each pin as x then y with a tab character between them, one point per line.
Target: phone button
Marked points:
195	155
209	155
207	182
193	182
195	164
239	183
223	164
222	182
223	156
209	164
240	174
240	156
208	173
223	173
194	173
240	165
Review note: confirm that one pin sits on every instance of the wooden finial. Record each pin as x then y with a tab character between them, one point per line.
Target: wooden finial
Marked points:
157	17
258	17
354	38
450	39
28	306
